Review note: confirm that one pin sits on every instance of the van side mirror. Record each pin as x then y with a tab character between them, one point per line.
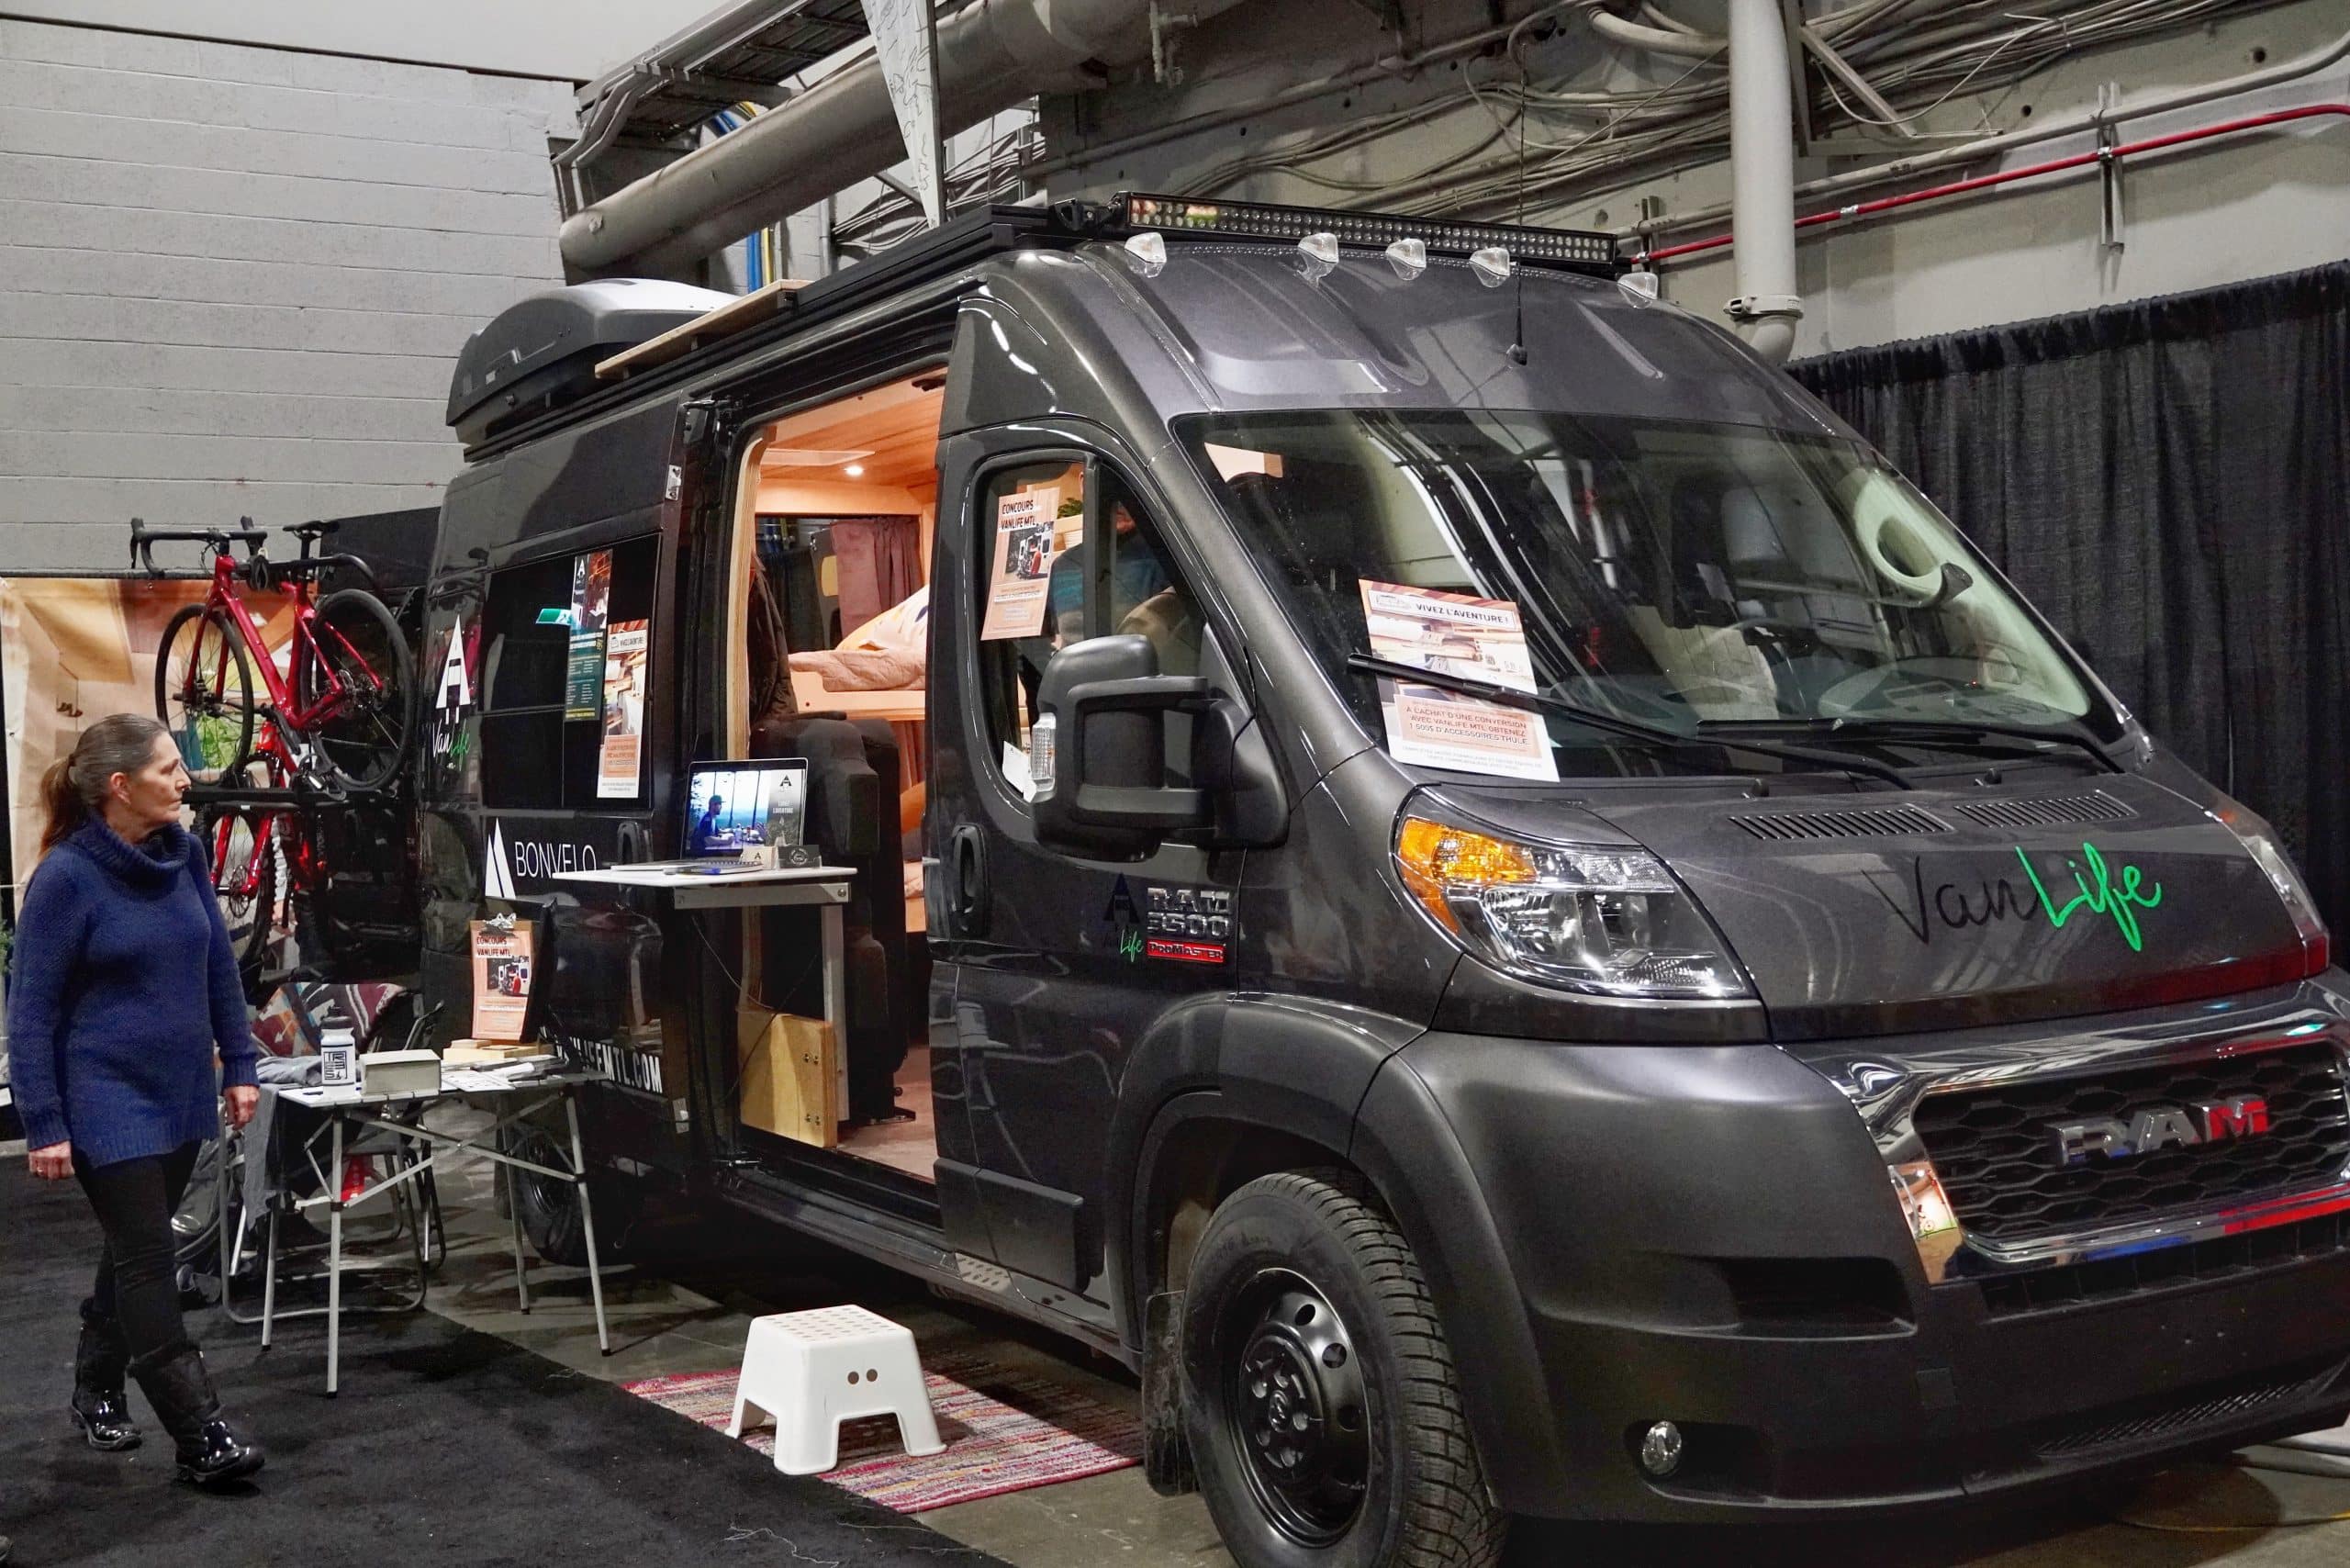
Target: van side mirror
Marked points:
1098	751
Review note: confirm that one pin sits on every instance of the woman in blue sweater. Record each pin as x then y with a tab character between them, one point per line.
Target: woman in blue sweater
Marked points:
121	986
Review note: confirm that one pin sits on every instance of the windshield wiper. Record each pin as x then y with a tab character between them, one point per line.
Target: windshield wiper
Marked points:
1632	729
1948	733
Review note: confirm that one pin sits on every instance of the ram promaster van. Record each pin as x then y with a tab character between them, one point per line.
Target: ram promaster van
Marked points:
1445	865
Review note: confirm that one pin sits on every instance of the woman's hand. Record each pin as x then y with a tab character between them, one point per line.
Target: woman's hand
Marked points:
52	1164
242	1100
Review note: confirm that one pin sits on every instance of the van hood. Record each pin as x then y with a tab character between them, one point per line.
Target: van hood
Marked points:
1937	909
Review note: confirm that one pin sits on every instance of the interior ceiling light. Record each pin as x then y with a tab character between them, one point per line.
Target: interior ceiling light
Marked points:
810	457
855	470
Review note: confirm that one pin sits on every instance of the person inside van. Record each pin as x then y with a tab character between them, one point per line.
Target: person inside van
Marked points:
1137	574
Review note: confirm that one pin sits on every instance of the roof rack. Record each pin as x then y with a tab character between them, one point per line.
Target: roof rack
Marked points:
618	365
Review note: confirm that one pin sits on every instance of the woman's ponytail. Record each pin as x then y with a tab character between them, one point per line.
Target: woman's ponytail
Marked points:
63	804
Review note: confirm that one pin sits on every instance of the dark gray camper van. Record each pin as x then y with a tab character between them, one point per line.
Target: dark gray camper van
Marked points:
1445	865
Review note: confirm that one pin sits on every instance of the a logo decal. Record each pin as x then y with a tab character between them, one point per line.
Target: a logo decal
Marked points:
497	873
2098	894
2159	1126
456	692
1189	925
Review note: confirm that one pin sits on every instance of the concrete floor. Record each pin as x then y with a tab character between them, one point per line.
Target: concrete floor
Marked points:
684	1303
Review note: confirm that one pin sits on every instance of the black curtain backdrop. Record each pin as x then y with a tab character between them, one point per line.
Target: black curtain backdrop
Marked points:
2167	481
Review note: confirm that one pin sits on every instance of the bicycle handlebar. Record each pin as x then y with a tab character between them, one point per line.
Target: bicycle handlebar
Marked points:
144	539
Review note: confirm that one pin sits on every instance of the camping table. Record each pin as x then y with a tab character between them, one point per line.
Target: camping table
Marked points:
508	1102
824	886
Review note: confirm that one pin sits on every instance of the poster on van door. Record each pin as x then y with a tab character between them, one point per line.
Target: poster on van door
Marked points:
619	763
1456	633
591	599
1021	582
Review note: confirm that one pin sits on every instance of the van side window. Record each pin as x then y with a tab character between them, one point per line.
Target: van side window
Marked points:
1144	596
1101	575
539	748
1139	593
1041	509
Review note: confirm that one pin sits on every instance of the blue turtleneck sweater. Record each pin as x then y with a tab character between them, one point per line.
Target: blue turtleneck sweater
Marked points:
120	985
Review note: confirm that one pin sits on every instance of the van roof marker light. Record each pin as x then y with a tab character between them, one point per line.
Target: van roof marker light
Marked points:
1148	250
1409	257
1492	266
1639	288
1318	255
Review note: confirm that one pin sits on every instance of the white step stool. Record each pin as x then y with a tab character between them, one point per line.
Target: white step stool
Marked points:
811	1371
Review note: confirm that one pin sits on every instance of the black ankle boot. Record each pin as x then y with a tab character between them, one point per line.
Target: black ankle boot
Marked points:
99	1407
209	1451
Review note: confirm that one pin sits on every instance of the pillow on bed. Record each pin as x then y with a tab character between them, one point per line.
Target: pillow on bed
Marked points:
861	669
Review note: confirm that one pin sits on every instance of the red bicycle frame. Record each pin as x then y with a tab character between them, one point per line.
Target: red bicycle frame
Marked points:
283	701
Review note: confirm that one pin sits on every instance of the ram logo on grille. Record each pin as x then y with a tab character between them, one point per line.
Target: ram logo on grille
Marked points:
2159	1126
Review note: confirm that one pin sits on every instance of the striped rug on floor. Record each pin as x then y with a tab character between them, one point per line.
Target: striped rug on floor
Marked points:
1004	1431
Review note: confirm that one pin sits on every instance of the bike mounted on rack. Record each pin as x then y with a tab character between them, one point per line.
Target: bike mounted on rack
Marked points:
298	771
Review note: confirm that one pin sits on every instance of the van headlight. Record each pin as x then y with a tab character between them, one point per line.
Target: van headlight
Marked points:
1598	918
2259	840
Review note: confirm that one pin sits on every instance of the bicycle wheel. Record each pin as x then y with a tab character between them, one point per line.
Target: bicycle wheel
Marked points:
364	738
242	847
205	692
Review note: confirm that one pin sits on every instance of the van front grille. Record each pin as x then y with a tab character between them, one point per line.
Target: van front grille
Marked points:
1995	1149
2315	1241
2071	1442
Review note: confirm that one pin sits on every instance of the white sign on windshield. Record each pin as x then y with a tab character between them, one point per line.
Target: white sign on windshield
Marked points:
1456	633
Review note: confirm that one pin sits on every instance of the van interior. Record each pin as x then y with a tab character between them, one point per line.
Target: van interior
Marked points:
828	623
827	644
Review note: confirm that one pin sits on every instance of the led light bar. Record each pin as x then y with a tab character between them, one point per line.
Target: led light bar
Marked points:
1266	220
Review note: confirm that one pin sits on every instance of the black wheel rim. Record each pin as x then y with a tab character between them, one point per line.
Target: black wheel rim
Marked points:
1296	1404
545	1198
365	737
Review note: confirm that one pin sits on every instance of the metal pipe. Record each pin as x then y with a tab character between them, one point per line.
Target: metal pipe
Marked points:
1762	178
1972	151
992	54
2009	176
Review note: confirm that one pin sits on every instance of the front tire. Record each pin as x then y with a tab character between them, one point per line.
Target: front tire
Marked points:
1323	1409
204	693
551	1217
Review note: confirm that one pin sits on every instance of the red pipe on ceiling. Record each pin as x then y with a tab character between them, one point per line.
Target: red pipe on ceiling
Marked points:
2008	176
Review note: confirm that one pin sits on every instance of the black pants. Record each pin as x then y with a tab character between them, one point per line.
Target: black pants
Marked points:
136	1283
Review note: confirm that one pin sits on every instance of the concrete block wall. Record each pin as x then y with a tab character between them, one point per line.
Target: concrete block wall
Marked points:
234	280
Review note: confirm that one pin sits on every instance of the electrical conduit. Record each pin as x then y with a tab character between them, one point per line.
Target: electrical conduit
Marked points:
2003	177
2308	64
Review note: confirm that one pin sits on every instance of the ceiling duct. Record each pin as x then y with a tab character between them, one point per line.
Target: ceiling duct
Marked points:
992	55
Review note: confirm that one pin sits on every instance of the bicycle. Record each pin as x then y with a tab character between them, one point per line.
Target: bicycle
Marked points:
345	707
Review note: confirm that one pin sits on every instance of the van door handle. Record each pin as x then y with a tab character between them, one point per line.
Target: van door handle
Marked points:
969	853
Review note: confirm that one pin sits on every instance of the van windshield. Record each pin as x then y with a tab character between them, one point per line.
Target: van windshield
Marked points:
1676	574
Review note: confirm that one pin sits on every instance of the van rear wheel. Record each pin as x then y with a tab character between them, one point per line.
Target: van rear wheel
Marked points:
1323	1409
